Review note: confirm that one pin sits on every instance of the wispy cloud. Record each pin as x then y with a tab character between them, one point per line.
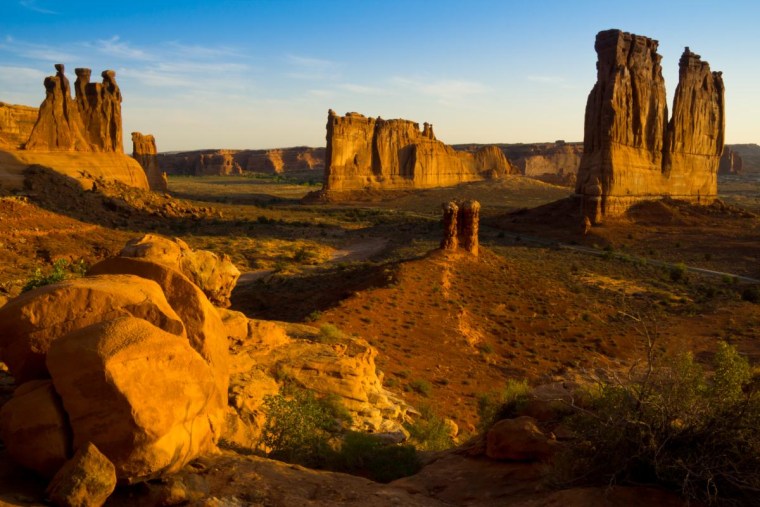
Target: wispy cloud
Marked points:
309	63
32	6
546	79
361	89
445	90
116	48
33	51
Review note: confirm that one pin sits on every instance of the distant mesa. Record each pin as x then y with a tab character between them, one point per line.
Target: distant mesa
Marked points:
376	154
231	162
632	151
730	162
80	137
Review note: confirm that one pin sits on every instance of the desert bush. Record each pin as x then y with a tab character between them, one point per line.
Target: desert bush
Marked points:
496	405
369	456
429	432
297	429
674	425
421	387
677	272
751	294
62	270
329	333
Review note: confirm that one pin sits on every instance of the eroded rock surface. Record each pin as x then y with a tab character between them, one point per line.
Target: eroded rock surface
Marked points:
460	226
144	151
371	153
227	162
631	151
16	124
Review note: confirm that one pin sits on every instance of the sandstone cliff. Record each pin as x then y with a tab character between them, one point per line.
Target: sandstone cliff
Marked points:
631	151
16	123
144	151
371	153
750	156
79	137
226	162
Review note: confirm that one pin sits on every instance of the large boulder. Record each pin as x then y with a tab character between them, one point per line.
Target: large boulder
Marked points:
34	428
215	275
206	332
140	394
86	480
32	321
519	439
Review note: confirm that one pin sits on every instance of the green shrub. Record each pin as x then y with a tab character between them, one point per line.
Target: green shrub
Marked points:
677	272
429	432
329	333
314	316
675	426
751	294
369	456
496	405
297	429
421	387
62	270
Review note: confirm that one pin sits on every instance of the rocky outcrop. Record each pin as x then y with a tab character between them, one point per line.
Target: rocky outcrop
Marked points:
144	151
226	162
16	124
371	153
86	480
79	137
631	151
730	162
460	226
750	156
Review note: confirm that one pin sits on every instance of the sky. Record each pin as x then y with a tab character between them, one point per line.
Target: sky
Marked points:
263	73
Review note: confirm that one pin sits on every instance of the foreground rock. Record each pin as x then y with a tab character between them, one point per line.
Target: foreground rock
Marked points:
631	151
86	480
371	153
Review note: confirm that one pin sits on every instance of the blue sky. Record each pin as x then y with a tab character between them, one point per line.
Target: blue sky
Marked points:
263	73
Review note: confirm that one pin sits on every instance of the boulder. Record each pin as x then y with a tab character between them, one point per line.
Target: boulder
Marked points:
35	319
216	276
518	439
34	428
86	480
138	393
630	149
205	330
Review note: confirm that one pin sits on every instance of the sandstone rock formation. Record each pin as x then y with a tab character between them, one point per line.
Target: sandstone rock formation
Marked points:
518	439
730	162
79	137
371	153
144	151
16	124
631	151
86	480
226	162
460	226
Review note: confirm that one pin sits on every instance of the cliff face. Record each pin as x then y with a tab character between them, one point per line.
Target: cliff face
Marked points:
536	160
368	153
730	162
79	137
226	162
631	151
16	124
144	151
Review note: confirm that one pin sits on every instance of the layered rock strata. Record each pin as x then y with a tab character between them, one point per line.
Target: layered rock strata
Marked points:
227	162
16	124
631	151
144	151
371	153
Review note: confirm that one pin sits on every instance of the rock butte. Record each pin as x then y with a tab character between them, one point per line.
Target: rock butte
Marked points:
144	151
631	151
371	153
79	137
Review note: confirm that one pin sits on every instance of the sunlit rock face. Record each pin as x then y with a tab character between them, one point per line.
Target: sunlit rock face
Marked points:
372	153
144	151
631	150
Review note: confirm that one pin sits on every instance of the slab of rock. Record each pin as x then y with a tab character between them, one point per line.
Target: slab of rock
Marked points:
86	480
35	319
140	394
144	151
34	428
631	152
518	439
371	153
